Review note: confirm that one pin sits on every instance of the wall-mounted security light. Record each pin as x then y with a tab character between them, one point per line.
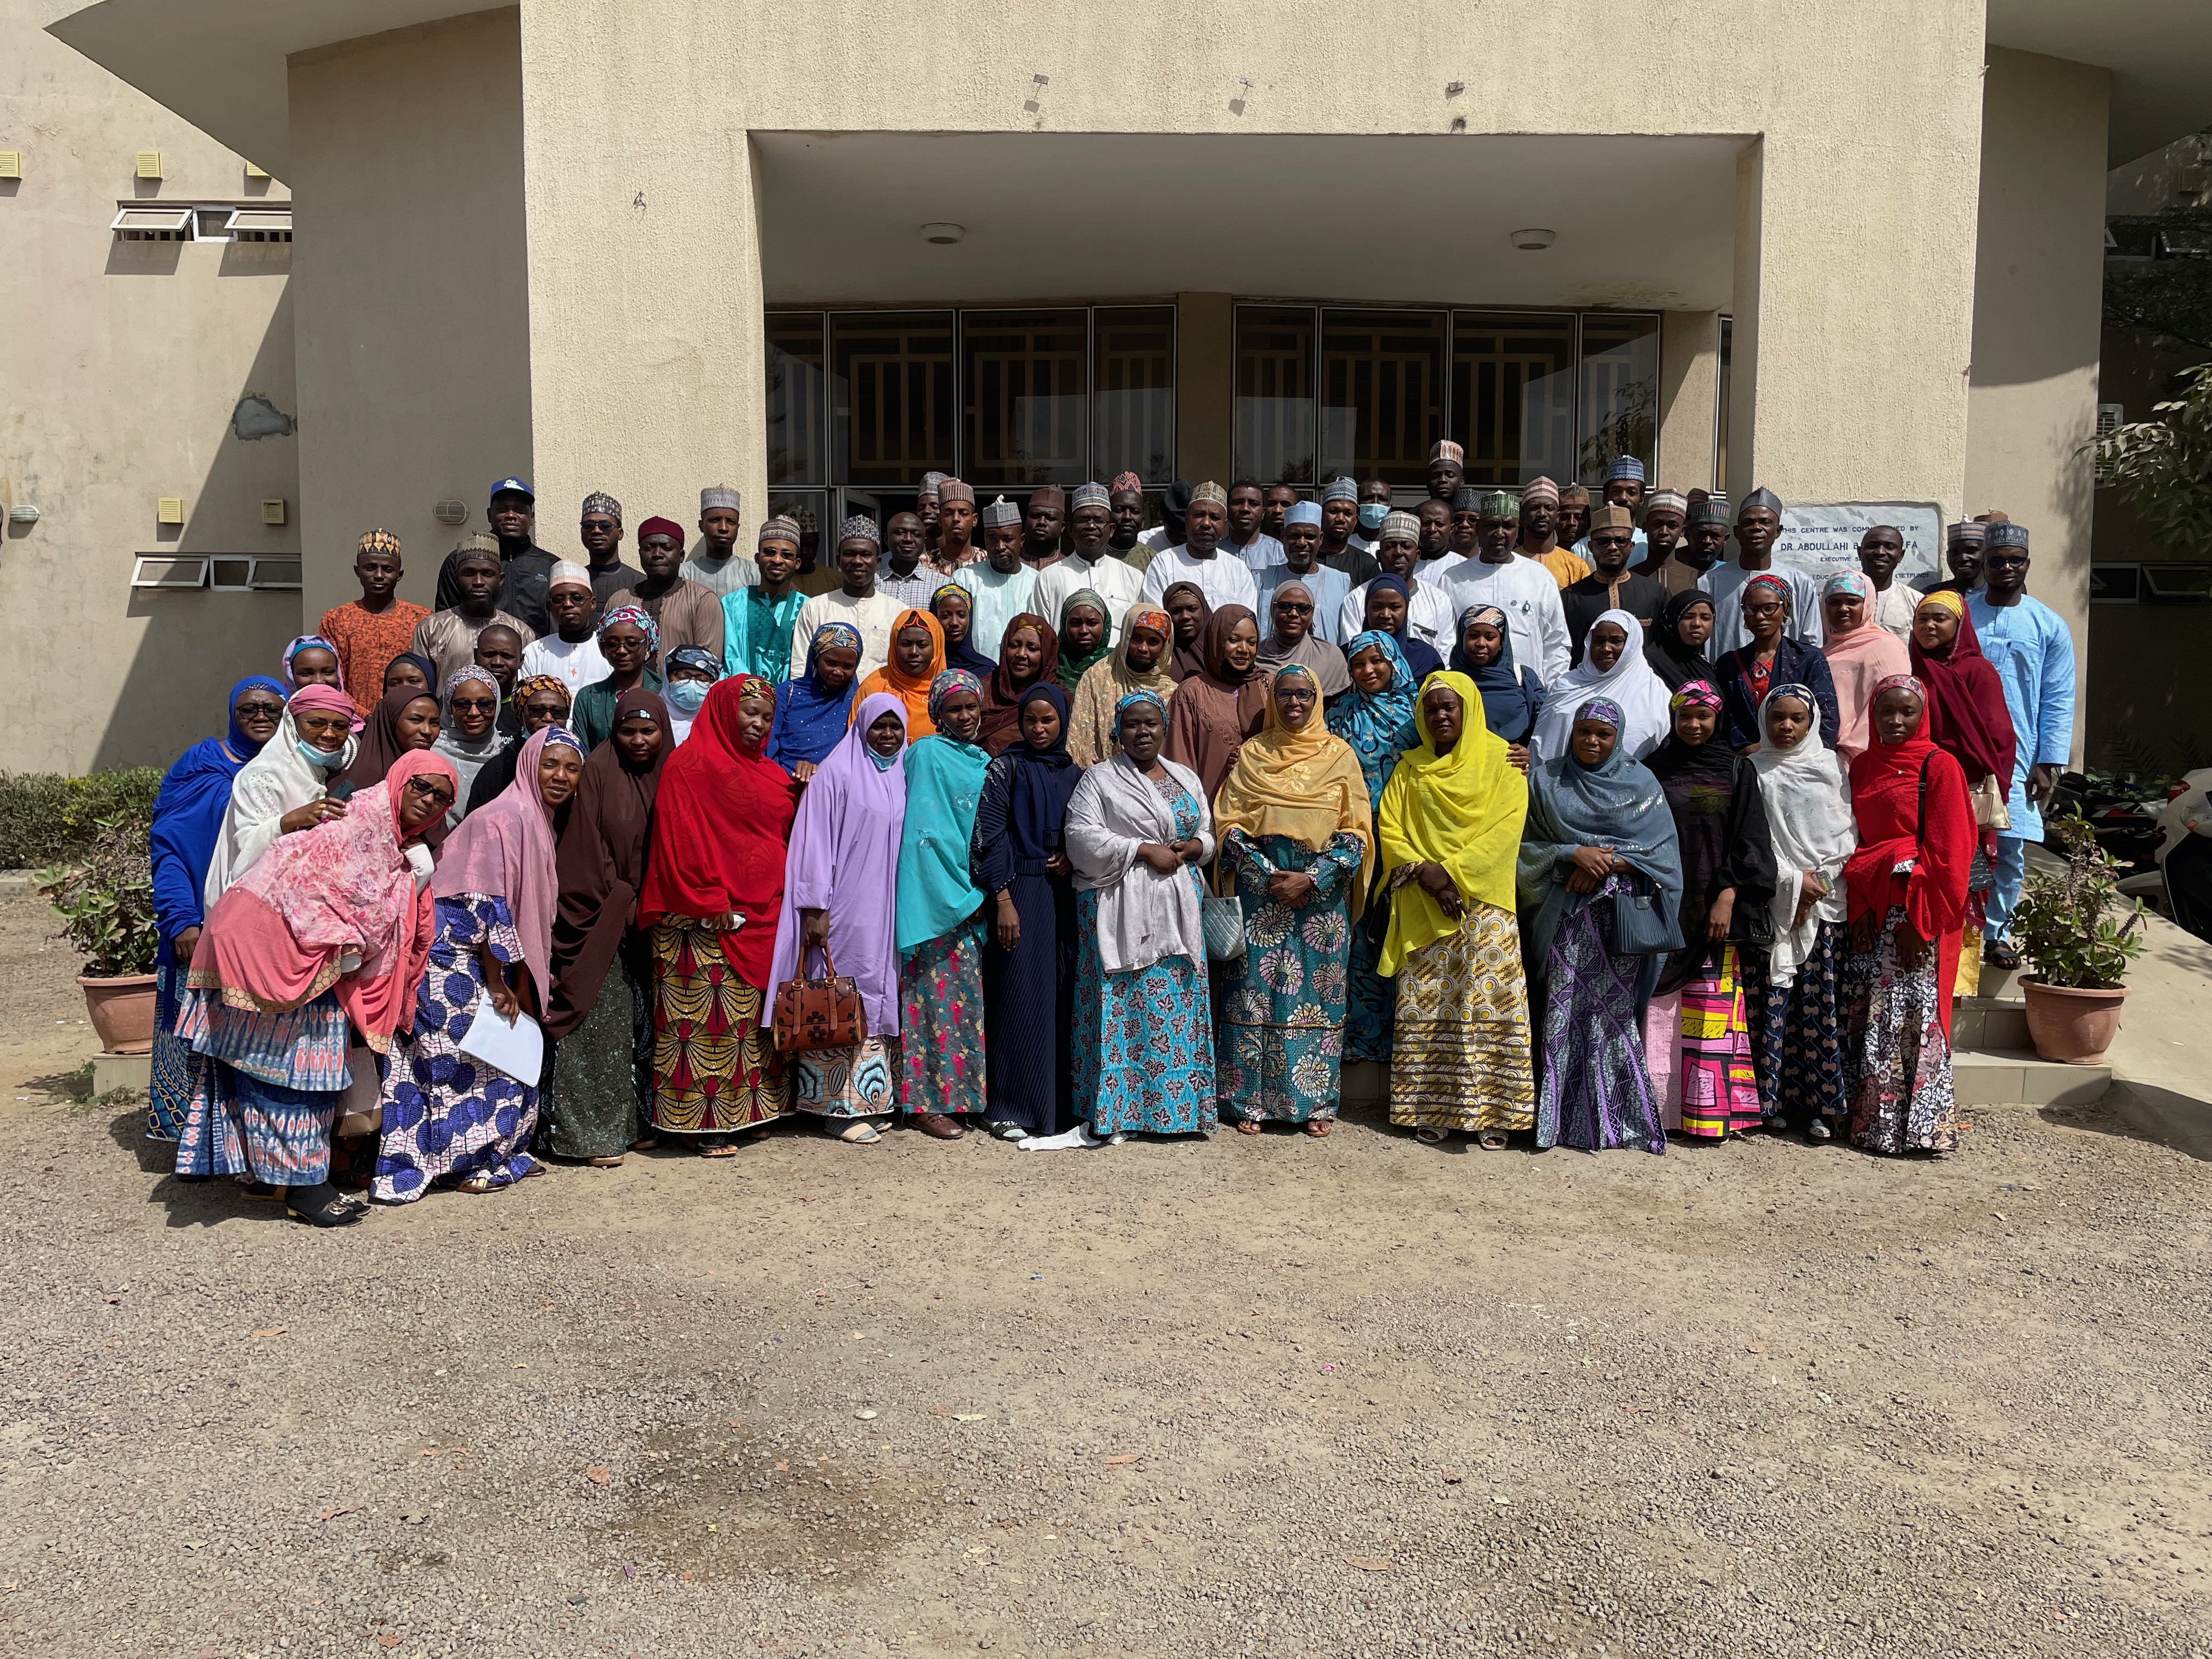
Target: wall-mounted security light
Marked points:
25	514
451	512
273	510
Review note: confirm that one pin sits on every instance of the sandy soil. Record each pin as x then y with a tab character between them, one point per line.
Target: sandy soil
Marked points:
1261	1396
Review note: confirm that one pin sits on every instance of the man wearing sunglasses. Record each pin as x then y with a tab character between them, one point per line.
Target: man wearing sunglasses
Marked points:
2028	642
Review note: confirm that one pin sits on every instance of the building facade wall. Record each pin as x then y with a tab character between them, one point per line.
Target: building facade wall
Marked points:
2039	281
413	303
121	367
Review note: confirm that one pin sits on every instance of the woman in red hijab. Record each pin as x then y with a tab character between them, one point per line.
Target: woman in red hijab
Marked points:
1968	720
1906	888
713	888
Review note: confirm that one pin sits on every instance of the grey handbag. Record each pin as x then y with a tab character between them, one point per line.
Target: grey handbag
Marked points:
1221	917
1641	928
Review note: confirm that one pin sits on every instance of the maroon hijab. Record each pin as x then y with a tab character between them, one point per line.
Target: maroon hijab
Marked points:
1966	713
1002	698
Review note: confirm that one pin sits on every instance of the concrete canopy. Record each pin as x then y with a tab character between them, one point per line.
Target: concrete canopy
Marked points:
2159	52
1641	223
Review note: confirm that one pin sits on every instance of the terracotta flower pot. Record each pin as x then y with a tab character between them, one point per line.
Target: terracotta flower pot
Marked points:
121	1011
2071	1025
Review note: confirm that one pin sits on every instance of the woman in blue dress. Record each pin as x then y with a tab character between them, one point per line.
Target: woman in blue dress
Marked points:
1375	717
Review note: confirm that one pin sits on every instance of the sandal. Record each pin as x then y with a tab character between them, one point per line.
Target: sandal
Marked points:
1318	1127
1432	1137
1491	1140
859	1131
614	1163
475	1185
715	1148
320	1206
265	1192
1247	1126
644	1143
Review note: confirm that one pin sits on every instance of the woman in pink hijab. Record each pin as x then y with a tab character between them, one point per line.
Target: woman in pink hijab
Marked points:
447	1115
1861	653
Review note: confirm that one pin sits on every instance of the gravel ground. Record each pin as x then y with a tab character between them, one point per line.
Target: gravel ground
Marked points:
1262	1396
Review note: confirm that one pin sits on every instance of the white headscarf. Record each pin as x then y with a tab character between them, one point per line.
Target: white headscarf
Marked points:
1809	815
275	781
1630	682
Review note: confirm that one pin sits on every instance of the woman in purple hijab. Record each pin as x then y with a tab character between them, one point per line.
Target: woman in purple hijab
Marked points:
840	895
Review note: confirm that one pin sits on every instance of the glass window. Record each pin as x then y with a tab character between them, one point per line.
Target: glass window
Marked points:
1721	417
1513	395
1274	393
797	429
1619	394
1023	393
894	395
1382	392
1135	401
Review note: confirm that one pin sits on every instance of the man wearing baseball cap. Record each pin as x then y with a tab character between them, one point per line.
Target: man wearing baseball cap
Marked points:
525	568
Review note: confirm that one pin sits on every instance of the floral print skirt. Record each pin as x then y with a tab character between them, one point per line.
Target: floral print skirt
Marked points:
941	1022
1278	1034
1796	1033
1896	1062
1144	1041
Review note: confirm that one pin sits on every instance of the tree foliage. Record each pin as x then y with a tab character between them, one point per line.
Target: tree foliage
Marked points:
2163	467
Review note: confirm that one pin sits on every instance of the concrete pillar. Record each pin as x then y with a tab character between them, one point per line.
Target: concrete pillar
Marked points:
2039	293
1743	348
1689	388
1206	386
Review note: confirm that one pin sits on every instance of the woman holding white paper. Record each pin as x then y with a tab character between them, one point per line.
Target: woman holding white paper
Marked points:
447	1114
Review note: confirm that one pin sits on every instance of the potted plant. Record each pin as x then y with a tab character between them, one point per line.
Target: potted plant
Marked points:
106	898
2067	927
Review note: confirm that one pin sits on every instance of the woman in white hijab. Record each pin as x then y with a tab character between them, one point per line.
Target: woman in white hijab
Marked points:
1796	1034
282	788
1613	667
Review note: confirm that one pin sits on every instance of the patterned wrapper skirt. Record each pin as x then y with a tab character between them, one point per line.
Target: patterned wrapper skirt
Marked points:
941	1022
714	1067
1459	1056
1279	1031
856	1080
1719	1082
1144	1041
600	1085
1592	1089
1796	1035
1371	1001
264	1088
1897	1061
169	1093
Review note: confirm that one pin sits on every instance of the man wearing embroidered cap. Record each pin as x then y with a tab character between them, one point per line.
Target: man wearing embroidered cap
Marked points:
1125	500
1666	516
1093	564
600	527
570	653
683	611
715	564
448	637
1447	470
524	565
369	632
1962	552
954	548
1624	487
856	602
1201	559
1430	615
1341	548
1610	586
1540	534
757	621
1522	588
1000	587
1758	526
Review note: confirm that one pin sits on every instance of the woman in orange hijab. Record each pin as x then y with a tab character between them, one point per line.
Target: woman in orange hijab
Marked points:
917	659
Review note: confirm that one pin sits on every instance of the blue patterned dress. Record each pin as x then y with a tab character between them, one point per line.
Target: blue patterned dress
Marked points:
446	1114
1279	1034
1144	1040
264	1088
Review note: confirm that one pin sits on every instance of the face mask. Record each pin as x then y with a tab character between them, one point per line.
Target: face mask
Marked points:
685	695
1371	515
321	759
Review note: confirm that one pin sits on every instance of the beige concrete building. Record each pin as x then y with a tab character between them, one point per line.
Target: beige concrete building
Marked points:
1848	252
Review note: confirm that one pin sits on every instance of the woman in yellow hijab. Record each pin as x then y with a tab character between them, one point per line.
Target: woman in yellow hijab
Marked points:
1449	825
1296	848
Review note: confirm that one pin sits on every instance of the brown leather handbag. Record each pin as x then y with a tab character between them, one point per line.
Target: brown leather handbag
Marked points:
818	1014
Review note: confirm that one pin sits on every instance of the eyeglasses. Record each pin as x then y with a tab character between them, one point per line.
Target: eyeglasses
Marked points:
1762	608
266	710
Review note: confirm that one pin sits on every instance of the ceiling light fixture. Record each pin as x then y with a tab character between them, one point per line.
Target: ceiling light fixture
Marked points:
942	233
1534	241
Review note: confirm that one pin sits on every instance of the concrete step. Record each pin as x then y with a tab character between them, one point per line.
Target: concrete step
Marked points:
1991	1022
112	1071
2015	1077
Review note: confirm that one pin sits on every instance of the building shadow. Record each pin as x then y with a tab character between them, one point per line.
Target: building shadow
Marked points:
2144	1112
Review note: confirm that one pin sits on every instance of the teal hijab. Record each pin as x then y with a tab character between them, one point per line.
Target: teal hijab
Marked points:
944	783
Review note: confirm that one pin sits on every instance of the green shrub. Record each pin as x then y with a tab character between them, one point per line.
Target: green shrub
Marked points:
106	897
46	819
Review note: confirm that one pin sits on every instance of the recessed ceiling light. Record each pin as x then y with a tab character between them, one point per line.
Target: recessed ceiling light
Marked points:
1534	241
942	233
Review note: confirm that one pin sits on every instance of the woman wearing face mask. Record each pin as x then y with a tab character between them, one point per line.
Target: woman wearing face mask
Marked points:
941	915
1697	1026
448	1116
1136	665
713	888
955	613
1215	711
599	1085
1511	698
1675	651
1016	855
188	813
1143	1043
1449	829
1610	670
813	711
1028	654
629	640
1599	839
1375	717
468	731
917	659
312	660
318	946
1297	847
285	788
1798	1035
1906	885
543	700
1188	609
840	903
690	673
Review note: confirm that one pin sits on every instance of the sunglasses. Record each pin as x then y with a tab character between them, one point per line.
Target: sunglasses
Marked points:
266	710
474	704
2004	560
1294	607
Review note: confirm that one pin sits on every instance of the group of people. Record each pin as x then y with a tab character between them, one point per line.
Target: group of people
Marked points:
1581	830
